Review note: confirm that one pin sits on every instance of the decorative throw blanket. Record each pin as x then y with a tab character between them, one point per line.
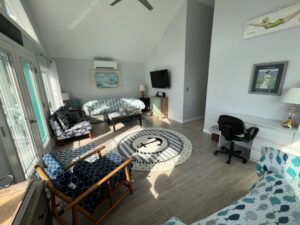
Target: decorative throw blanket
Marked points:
274	199
97	107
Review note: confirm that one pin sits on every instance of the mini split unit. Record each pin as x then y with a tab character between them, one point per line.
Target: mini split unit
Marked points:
105	64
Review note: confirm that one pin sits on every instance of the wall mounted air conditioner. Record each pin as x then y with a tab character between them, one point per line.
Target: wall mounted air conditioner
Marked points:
105	64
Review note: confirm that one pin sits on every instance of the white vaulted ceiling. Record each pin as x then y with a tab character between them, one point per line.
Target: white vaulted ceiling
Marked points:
93	28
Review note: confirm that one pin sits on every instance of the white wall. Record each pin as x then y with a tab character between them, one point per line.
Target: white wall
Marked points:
74	79
198	31
170	54
232	59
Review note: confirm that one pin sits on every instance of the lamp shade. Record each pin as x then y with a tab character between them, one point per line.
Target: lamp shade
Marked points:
142	87
65	96
292	96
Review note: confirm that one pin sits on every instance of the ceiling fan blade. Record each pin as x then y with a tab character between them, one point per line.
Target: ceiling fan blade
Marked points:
146	4
115	2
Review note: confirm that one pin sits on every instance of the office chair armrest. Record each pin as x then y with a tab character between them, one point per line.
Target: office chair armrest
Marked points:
251	133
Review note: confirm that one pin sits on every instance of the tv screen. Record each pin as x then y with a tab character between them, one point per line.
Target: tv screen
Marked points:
160	79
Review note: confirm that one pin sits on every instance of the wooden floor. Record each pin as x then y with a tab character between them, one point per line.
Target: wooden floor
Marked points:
190	191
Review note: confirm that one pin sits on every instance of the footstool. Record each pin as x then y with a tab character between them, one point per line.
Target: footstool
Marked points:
116	117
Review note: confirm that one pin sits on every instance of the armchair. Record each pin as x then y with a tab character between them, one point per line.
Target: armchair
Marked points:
67	125
84	192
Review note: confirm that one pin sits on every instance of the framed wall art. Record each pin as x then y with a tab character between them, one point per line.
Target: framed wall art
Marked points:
106	79
279	20
268	78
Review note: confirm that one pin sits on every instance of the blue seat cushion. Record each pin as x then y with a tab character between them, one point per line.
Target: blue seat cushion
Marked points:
91	172
69	184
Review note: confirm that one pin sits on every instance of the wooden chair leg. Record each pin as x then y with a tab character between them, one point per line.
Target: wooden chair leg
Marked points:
91	135
74	216
109	194
128	179
60	220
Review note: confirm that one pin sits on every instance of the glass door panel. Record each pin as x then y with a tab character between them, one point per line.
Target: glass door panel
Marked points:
15	115
35	100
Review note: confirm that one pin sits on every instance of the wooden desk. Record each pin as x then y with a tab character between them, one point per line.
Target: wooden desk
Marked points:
271	134
24	204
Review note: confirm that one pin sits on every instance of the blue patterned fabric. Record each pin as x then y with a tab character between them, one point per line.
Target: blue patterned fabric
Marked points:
104	106
63	128
271	201
91	172
174	221
274	160
274	199
62	117
68	156
69	184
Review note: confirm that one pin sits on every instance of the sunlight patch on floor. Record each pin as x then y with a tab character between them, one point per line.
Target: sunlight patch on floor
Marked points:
152	178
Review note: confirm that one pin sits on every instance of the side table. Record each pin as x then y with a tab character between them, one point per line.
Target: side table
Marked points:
146	101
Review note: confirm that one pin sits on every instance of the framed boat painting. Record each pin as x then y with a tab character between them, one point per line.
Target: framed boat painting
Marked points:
279	20
105	79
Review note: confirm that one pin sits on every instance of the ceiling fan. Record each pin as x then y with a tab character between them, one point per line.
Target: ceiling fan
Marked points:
144	2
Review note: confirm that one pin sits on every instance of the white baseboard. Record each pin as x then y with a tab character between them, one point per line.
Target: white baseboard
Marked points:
176	120
206	131
193	119
187	120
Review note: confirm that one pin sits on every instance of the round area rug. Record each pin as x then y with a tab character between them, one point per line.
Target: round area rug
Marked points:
154	148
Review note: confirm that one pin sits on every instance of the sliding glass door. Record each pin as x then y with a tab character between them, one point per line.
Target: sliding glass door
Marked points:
15	115
29	74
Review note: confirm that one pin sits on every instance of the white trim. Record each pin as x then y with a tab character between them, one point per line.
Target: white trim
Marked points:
193	119
176	120
207	131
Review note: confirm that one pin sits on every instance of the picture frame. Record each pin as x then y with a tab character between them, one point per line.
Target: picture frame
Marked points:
105	79
268	78
279	20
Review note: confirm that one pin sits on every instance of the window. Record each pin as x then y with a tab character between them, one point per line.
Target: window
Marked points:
52	87
16	12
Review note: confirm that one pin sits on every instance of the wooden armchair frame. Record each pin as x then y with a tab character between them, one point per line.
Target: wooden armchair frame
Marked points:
72	204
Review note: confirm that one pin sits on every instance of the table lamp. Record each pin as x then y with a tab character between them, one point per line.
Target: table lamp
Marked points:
292	97
65	97
142	90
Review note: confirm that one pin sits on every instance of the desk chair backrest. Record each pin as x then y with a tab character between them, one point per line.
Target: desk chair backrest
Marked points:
231	126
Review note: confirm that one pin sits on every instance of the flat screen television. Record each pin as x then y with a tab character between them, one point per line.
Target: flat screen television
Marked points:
160	79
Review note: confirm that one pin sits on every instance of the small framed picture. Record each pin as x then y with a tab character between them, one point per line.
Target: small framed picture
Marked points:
268	78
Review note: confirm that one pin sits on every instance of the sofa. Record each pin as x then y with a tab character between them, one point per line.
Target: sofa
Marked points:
273	199
66	125
98	110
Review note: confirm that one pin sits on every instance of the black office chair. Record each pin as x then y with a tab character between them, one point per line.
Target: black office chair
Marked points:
233	129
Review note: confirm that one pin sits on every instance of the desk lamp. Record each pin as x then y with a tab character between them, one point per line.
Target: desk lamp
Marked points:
292	97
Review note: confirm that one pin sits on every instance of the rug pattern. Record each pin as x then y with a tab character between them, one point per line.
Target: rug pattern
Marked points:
154	148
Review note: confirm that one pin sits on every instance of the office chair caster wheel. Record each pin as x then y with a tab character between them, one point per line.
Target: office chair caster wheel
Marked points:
244	161
216	153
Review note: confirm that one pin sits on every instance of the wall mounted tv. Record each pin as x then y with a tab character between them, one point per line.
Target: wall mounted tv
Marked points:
160	79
